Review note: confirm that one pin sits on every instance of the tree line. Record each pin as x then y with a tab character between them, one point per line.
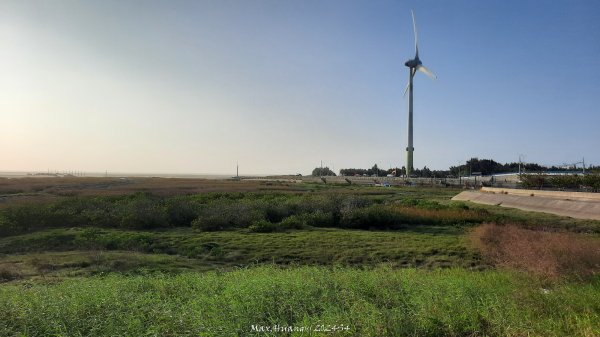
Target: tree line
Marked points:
470	167
425	172
590	182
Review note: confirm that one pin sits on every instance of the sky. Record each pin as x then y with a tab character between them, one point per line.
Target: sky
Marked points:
279	85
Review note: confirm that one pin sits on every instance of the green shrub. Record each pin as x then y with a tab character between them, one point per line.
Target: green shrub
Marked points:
181	211
8	227
263	226
377	216
89	238
219	211
143	214
573	181
410	202
534	180
348	205
566	181
227	214
22	219
95	238
293	222
275	209
209	223
108	216
460	205
319	219
422	203
592	181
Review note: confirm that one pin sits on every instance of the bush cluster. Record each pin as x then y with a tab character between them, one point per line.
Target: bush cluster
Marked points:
590	182
136	211
269	213
210	212
258	212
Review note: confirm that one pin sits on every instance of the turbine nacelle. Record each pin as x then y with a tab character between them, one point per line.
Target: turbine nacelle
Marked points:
414	63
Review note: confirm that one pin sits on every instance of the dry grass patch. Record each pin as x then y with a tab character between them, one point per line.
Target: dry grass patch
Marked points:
440	215
9	272
548	254
98	186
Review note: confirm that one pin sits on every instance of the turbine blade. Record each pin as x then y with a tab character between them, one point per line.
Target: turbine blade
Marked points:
426	71
406	89
415	30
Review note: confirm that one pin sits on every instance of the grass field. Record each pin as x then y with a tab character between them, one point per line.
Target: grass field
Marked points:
379	302
214	258
210	250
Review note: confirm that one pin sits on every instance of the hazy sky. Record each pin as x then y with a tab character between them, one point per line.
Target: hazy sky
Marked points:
194	86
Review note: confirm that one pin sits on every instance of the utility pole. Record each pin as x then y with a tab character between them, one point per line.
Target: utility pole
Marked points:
520	163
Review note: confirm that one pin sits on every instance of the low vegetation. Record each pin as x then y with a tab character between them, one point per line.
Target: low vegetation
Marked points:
379	302
399	261
222	211
548	254
588	182
431	247
57	187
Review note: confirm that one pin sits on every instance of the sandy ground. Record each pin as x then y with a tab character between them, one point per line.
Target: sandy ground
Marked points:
580	209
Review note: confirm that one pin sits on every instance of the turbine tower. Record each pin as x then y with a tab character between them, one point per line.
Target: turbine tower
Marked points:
413	65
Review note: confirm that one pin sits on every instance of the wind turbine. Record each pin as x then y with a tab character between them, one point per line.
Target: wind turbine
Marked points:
413	65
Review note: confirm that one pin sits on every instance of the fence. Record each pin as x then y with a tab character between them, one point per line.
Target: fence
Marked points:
467	182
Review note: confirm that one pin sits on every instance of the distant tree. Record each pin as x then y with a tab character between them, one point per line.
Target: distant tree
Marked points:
353	172
322	171
441	173
594	169
396	172
489	166
485	166
426	172
533	167
375	170
461	170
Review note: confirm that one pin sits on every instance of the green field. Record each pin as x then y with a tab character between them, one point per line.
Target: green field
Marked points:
378	302
362	261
